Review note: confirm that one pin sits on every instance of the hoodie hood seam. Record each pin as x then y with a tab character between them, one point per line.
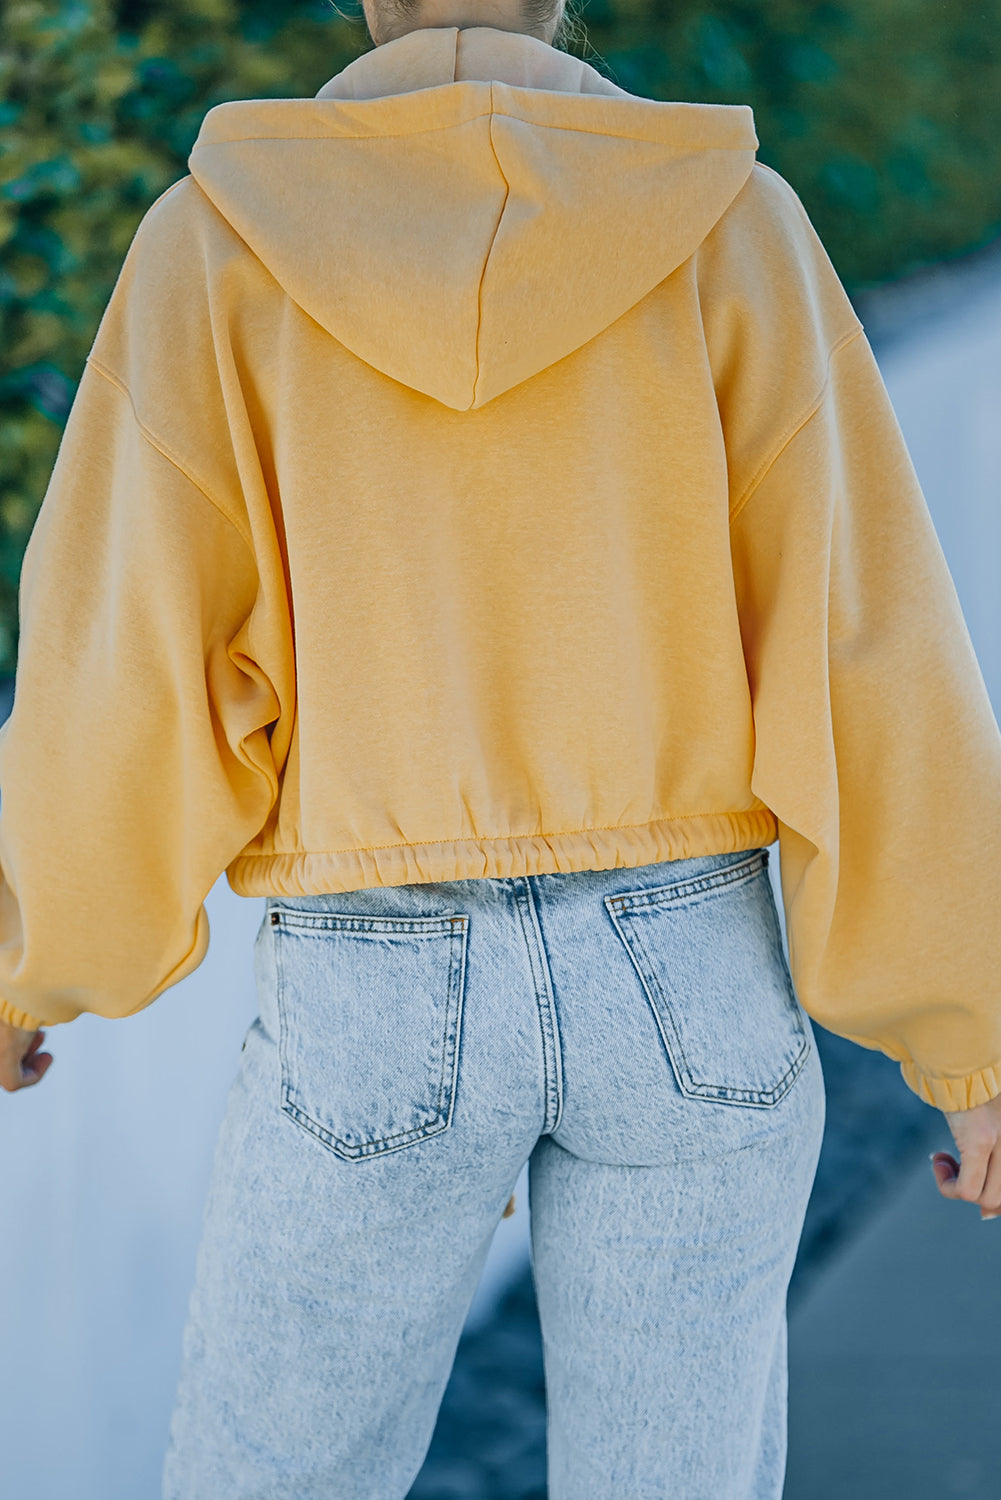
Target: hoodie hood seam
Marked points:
400	135
431	230
477	367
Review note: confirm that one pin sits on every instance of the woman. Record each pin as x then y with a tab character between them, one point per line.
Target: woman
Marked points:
482	530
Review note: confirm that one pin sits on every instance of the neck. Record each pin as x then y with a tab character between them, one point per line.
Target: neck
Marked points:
387	23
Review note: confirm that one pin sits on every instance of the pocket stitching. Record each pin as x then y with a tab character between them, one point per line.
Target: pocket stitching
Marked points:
722	1092
455	928
719	1092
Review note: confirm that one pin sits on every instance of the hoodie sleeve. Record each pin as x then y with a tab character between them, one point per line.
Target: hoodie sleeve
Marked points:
136	761
876	745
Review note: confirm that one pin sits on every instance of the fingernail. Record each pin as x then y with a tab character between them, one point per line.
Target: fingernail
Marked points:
990	1216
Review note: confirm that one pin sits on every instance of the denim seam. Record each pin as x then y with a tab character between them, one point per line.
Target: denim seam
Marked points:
339	921
551	1019
542	987
698	885
377	1147
458	927
519	899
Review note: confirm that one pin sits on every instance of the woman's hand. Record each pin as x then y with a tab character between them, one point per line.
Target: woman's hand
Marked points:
21	1063
976	1178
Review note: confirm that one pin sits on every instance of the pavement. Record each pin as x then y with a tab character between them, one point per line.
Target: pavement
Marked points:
894	1358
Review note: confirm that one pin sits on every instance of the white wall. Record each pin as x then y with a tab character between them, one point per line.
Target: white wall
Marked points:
945	380
104	1171
104	1166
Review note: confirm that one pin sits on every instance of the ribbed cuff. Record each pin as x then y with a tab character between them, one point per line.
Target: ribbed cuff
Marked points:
953	1093
15	1017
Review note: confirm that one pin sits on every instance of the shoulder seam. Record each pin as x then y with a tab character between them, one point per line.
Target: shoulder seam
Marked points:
814	407
162	449
168	189
766	168
791	192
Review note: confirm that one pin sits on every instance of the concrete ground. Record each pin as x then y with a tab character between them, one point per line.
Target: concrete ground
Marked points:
895	1357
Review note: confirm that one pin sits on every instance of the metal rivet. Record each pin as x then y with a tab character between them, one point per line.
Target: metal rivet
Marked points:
275	918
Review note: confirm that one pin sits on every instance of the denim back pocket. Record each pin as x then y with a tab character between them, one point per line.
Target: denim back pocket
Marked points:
369	1020
709	954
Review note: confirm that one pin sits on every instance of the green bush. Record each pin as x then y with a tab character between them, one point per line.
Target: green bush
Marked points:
885	116
95	122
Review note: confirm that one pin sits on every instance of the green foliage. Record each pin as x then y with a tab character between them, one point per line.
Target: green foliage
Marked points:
885	115
95	123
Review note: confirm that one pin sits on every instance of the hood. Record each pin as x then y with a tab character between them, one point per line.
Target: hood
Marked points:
463	207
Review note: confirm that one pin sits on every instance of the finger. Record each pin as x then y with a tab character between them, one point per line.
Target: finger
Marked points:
974	1160
16	1042
12	1076
946	1170
16	1075
35	1070
34	1044
990	1198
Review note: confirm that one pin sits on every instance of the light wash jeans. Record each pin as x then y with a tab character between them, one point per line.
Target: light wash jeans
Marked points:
633	1034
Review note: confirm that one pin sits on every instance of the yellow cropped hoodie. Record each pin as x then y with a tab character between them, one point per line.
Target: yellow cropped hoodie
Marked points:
481	471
